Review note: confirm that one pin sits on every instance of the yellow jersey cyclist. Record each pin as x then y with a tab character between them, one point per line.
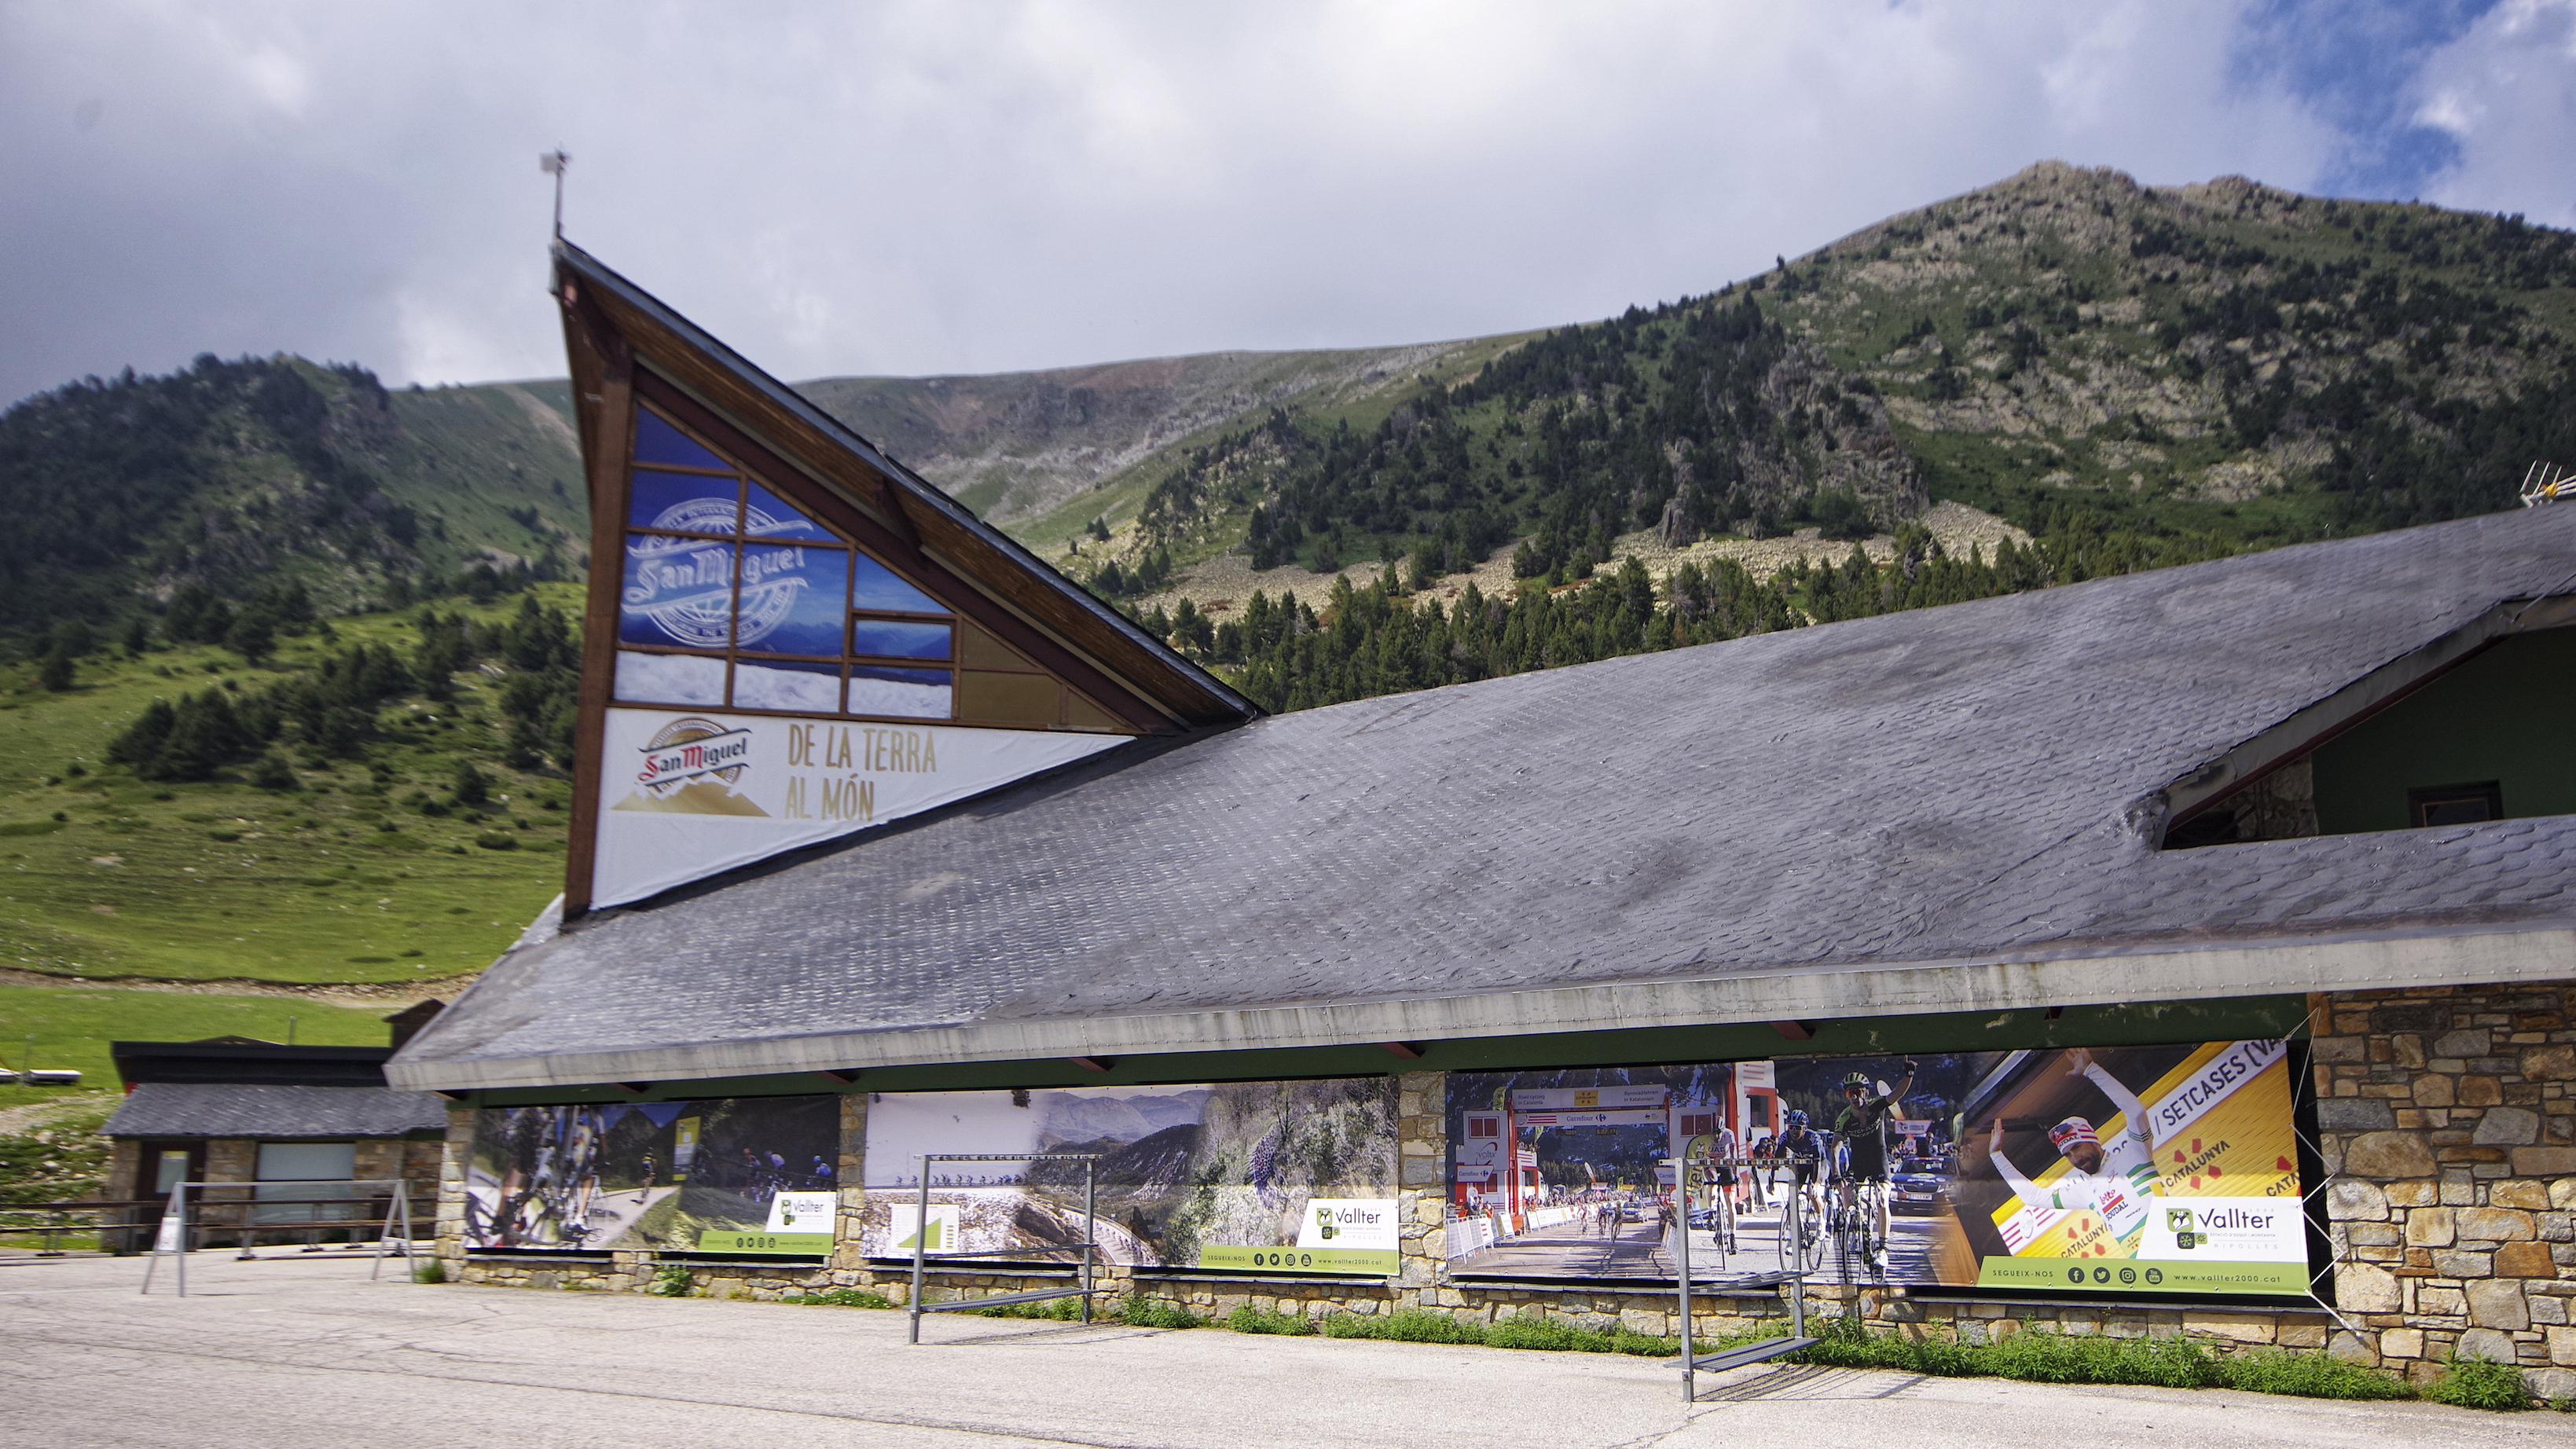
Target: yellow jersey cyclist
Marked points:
1864	1126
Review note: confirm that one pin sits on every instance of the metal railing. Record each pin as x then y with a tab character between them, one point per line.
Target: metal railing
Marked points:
176	1234
921	1257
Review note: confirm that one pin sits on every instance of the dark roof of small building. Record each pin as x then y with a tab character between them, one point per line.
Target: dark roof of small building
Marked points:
1943	809
242	1062
190	1109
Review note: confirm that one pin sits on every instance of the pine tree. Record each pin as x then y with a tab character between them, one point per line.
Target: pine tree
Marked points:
253	636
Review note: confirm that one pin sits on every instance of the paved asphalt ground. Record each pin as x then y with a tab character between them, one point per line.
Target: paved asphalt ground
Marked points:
296	1352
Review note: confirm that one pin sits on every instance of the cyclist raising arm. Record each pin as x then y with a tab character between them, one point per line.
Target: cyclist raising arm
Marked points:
2114	1181
1863	1125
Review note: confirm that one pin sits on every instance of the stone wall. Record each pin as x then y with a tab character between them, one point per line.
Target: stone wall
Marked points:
2445	1112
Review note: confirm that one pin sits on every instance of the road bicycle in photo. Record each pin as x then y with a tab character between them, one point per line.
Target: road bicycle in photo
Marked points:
1858	1243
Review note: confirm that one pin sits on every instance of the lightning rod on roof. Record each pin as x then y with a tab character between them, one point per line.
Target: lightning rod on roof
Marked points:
553	163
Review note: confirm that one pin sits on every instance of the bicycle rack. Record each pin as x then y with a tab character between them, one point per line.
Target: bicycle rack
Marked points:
1757	1352
921	1238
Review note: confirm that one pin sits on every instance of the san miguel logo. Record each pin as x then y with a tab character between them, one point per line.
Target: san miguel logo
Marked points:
685	586
690	767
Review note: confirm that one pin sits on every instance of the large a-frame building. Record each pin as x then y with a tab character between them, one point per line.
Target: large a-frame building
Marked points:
2199	945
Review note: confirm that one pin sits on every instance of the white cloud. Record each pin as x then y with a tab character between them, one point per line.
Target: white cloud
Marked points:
2506	92
919	186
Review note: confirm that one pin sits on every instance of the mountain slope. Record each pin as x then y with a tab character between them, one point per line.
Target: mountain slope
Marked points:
2226	356
2203	368
1015	446
232	477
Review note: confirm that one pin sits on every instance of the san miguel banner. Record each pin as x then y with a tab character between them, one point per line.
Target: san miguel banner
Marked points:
684	794
2144	1170
1246	1175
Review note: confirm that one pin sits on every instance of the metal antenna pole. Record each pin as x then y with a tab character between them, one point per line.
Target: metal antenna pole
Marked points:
553	163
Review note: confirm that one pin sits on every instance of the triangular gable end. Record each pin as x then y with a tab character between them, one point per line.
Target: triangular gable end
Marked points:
789	637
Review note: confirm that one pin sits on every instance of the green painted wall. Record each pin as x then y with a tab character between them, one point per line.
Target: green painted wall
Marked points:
2235	1018
2501	716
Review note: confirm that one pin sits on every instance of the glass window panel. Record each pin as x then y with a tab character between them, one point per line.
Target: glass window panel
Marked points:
319	1170
684	501
791	599
765	515
676	591
787	684
670	678
879	587
903	693
902	639
658	442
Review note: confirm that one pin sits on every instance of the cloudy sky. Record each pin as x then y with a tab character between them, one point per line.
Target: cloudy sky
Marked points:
958	187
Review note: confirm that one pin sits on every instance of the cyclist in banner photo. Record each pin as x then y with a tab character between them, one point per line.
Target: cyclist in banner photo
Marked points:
1863	1126
2114	1181
1804	1152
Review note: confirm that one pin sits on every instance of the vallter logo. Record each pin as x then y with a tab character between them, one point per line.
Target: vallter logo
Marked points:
2178	1223
690	767
1324	1223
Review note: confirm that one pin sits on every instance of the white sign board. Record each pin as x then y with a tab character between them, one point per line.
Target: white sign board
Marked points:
907	1222
1349	1222
2227	1229
683	795
802	1212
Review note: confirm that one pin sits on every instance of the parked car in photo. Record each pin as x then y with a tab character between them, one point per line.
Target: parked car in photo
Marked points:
1918	1186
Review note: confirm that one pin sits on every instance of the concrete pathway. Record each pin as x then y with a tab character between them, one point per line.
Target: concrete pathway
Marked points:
304	1351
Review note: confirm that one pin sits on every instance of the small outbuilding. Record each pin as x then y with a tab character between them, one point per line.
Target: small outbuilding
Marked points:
289	1123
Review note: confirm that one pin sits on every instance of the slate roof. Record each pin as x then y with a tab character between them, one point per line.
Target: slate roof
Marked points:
187	1109
1972	784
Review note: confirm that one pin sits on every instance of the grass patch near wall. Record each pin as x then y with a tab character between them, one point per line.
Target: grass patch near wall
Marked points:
1416	1325
1248	1319
841	1298
2474	1383
2174	1363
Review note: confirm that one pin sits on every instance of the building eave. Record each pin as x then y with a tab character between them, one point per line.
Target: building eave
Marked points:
2468	955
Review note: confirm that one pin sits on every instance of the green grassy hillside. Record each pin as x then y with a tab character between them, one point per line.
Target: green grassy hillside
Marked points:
106	874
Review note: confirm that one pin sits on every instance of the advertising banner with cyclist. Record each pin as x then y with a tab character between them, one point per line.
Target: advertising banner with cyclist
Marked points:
1253	1175
2137	1169
736	1175
2148	1170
